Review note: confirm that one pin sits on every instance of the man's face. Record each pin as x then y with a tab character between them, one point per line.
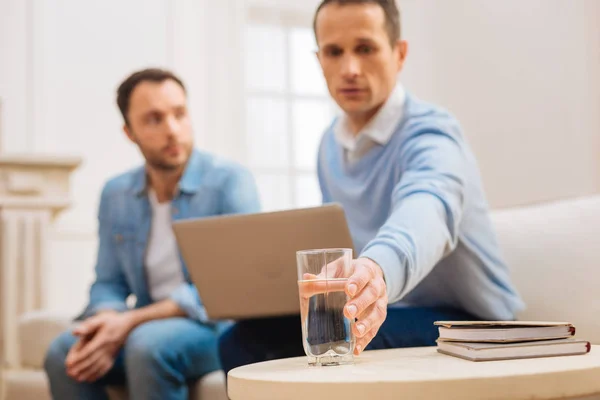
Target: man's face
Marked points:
160	125
358	61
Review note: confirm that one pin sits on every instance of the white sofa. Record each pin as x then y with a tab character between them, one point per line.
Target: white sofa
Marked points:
553	250
37	330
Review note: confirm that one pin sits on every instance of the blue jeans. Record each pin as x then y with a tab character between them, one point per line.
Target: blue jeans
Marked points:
257	340
157	362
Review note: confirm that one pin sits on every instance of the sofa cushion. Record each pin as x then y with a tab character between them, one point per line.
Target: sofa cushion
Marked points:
37	330
553	251
210	387
26	385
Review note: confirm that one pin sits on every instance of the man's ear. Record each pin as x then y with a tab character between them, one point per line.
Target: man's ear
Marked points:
128	132
402	51
318	55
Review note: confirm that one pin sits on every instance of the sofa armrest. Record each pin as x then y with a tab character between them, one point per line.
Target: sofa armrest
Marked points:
36	331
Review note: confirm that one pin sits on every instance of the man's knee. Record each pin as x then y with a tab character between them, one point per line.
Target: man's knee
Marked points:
146	349
141	348
57	353
226	338
171	348
227	348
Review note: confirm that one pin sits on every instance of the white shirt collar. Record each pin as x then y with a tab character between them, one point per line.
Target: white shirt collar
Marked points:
379	129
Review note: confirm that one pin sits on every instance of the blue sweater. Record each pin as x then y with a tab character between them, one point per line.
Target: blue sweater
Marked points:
416	207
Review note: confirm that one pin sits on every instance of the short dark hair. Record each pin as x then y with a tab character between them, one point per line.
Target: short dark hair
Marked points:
390	9
150	74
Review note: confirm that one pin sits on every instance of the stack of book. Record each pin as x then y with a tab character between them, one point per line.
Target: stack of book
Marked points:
507	340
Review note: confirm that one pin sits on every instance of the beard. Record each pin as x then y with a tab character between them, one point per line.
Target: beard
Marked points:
163	165
158	160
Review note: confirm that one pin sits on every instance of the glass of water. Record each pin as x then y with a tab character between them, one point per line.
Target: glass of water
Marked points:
327	334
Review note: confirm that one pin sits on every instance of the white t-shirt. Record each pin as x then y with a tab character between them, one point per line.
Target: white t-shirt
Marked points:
163	266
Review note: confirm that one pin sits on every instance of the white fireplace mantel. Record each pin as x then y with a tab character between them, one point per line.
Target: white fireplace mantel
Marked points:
33	190
36	181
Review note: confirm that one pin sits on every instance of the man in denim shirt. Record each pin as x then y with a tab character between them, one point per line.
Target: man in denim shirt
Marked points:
166	340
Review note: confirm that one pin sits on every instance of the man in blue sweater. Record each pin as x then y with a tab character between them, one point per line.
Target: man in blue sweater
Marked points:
412	193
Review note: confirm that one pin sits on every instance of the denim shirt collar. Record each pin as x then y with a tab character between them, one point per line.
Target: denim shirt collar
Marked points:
190	179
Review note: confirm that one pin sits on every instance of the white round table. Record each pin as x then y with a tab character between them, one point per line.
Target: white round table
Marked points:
420	373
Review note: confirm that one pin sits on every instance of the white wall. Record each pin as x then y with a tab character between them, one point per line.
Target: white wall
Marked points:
60	65
522	76
15	90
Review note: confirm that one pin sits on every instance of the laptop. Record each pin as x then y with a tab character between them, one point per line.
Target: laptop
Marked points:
244	265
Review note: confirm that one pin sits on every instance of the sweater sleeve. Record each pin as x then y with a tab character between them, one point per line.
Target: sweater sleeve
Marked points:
427	206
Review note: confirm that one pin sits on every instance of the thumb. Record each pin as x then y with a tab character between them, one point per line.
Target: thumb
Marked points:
88	327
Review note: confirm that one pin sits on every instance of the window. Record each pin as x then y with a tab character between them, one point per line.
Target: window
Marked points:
287	110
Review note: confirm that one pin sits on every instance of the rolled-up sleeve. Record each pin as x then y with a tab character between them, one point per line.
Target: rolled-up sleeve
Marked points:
187	298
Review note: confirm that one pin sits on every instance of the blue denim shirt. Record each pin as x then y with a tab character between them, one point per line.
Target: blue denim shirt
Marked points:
209	186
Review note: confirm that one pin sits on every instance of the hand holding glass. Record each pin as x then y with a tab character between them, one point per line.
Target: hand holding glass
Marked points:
327	335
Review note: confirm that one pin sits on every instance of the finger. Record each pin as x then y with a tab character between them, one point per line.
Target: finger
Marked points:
361	277
99	369
96	343
371	319
94	374
364	299
76	369
101	374
303	295
309	288
75	349
361	344
89	326
337	268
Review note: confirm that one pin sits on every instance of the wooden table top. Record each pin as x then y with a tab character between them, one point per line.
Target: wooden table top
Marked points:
419	373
